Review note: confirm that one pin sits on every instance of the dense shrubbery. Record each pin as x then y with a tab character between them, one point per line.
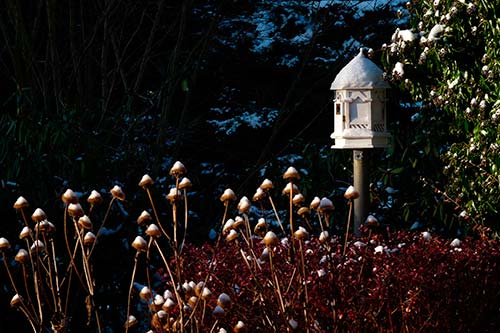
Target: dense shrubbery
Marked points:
446	62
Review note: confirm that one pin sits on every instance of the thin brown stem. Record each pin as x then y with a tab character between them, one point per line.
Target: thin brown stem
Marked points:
348	224
130	290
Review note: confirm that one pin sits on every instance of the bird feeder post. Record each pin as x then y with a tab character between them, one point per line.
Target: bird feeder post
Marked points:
360	122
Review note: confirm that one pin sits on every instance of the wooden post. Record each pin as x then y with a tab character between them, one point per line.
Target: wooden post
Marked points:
361	184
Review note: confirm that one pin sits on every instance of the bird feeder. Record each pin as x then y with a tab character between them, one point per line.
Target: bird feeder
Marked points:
360	106
360	122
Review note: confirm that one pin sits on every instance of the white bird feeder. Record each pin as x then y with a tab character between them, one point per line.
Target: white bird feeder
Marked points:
360	106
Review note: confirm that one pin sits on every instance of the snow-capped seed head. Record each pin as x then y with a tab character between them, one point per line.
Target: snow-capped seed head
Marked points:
426	235
270	239
298	199
290	188
168	294
224	300
379	249
456	242
291	174
351	193
89	238
22	256
69	197
168	305
185	184
244	205
131	321
44	227
205	294
371	221
229	225
178	169
315	203
238	222
25	233
16	301
218	312
240	327
140	244
228	195
193	300
293	324
84	222
144	218
231	236
4	244
37	246
323	236
259	195
38	215
222	330
325	205
146	181
75	210
153	231
303	211
174	195
266	185
94	198
158	300
117	193
301	234
21	203
146	293
260	227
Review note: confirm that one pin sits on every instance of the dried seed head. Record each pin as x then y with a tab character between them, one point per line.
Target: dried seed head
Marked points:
205	294
222	330
240	327
185	184
238	222
4	244
84	222
267	185
231	236
260	227
38	215
146	293
259	195
37	246
270	239
303	211
25	233
265	254
16	301
89	239
290	188
22	256
140	244
168	306
301	234
144	218
244	205
45	227
153	231
228	195
193	300
69	197
351	193
325	205
94	198
174	195
187	288
131	321
178	169
298	199
371	221
158	302
315	203
218	312
198	288
75	210
20	203
146	181
117	192
224	300
323	236
229	225
291	174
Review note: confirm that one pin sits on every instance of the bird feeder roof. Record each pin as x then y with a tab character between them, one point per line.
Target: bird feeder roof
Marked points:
360	73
